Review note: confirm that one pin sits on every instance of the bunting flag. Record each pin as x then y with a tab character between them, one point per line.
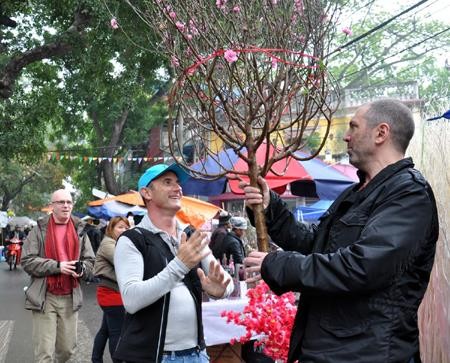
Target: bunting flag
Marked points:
57	156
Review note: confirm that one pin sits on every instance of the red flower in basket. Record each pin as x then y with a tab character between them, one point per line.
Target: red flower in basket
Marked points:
268	318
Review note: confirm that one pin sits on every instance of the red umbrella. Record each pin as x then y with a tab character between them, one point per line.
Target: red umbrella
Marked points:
347	169
309	178
282	173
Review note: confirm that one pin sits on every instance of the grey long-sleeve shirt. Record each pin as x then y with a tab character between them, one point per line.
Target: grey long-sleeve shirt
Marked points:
137	293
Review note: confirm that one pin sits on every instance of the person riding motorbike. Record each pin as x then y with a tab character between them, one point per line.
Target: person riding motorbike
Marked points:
13	245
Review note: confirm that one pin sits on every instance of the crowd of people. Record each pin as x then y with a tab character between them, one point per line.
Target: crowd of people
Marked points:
361	272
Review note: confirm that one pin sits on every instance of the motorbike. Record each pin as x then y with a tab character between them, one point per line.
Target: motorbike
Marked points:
13	252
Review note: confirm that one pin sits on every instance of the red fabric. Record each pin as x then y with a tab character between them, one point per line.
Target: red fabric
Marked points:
61	247
108	297
281	173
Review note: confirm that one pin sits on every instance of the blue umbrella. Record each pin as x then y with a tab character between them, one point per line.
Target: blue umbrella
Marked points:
114	209
327	182
446	115
312	212
193	186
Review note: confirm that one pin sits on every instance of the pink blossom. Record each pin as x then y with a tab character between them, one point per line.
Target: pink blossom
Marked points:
236	9
274	63
180	25
114	23
298	5
221	4
174	61
172	14
192	27
268	316
189	36
274	2
231	56
347	31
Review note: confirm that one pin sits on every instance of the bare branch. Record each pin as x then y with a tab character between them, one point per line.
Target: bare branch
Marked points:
248	75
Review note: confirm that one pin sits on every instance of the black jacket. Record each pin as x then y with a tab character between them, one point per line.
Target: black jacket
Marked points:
143	333
231	245
362	272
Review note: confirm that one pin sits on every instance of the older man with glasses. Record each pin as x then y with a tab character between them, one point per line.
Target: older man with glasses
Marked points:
56	254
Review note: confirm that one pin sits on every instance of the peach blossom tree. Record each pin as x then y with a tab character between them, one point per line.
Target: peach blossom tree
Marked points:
245	73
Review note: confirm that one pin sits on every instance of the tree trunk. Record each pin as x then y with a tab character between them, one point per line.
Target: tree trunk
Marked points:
108	176
262	237
111	184
5	202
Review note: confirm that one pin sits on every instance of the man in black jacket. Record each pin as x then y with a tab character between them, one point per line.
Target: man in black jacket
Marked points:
219	234
363	271
232	245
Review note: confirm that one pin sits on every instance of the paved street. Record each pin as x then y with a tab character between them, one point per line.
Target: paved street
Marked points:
16	324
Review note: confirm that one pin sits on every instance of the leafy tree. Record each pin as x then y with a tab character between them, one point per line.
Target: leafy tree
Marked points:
26	188
403	50
68	80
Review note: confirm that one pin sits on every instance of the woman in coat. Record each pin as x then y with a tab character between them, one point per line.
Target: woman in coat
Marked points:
108	295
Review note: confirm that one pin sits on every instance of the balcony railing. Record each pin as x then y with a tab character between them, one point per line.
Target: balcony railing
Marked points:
351	97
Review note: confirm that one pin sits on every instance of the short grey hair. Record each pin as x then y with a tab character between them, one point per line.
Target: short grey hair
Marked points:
398	116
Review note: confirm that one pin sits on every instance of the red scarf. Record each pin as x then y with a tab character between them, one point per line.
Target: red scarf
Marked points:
61	284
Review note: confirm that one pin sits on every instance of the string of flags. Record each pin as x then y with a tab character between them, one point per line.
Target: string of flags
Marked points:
56	156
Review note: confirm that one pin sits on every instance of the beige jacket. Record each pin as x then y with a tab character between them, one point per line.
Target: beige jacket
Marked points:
104	264
39	267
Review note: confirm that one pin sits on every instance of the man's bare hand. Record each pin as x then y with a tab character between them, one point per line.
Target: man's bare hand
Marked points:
68	268
193	250
252	265
216	282
254	196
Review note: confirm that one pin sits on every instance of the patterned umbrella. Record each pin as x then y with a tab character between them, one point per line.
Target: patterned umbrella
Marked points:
311	178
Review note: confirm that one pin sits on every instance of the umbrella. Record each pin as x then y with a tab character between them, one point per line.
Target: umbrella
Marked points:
132	198
347	169
310	178
289	168
196	212
113	208
193	211
328	183
312	212
21	221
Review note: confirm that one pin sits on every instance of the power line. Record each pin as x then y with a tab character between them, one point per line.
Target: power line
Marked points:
379	26
399	52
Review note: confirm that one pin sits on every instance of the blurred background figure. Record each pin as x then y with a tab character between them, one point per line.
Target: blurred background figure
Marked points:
93	231
17	233
130	217
232	245
108	295
219	234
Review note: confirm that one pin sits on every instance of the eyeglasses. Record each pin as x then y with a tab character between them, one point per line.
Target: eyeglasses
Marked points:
62	202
